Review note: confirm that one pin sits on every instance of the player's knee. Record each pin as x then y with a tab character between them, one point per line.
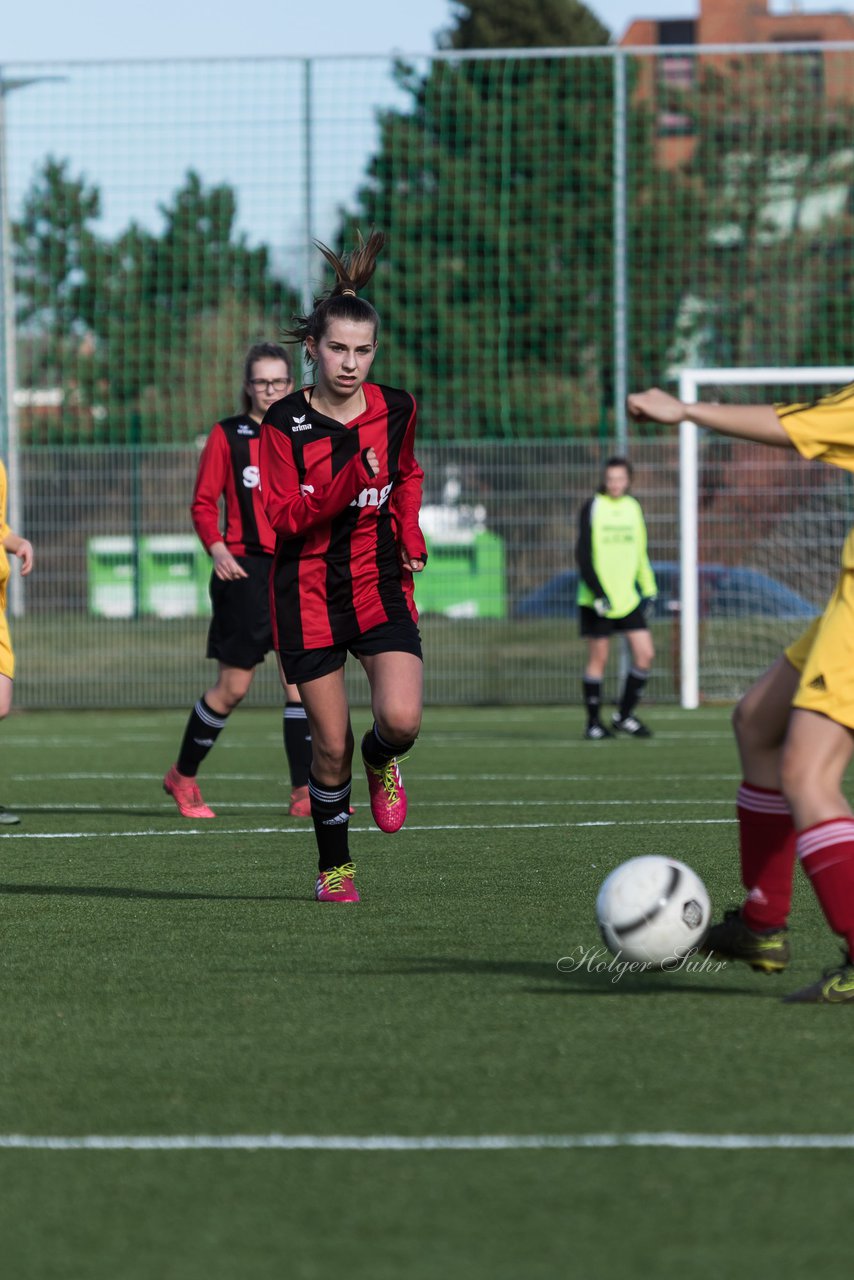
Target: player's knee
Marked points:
400	726
746	724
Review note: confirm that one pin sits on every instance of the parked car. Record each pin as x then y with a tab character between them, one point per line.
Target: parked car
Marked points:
724	592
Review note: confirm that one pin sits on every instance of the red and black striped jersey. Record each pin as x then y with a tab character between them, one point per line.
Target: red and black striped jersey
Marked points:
228	468
338	571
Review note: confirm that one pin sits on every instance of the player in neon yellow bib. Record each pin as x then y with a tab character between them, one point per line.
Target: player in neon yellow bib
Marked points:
615	586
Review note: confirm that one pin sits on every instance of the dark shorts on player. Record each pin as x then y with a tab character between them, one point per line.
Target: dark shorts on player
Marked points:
398	636
592	627
241	632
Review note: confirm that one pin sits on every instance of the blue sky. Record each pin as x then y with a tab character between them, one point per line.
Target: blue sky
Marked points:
185	28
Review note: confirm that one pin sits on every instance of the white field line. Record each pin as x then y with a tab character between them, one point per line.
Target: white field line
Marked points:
422	777
422	804
439	1142
447	740
305	830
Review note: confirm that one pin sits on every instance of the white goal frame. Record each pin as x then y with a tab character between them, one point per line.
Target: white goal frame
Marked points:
690	381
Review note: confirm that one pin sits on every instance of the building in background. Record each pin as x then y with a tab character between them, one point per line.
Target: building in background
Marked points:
731	22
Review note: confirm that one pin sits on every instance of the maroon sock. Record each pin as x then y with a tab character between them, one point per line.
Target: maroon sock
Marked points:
767	848
827	854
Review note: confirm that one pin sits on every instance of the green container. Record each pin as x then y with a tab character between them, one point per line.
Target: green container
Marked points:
464	576
111	572
171	585
204	569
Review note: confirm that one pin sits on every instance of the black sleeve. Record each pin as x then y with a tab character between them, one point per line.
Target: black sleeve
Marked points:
584	550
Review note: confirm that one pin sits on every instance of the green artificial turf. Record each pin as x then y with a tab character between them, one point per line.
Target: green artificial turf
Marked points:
160	977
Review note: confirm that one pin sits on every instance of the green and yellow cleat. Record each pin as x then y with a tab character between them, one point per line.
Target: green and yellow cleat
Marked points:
835	986
766	951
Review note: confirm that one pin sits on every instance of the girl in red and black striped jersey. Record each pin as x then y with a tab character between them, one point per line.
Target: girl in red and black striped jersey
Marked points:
342	489
240	631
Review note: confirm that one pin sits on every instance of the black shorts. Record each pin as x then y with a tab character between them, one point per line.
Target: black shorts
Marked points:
241	632
399	636
592	627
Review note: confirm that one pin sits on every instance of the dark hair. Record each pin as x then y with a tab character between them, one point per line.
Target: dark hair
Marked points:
262	351
352	272
616	461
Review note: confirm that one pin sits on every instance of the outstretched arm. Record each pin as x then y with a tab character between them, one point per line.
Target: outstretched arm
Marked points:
757	422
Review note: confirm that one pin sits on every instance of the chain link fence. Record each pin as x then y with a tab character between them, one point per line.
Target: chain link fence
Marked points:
562	227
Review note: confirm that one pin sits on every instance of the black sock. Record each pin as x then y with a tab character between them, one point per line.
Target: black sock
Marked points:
330	812
592	699
297	743
203	728
376	751
632	690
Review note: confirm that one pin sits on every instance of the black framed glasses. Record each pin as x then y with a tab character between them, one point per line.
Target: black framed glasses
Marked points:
274	384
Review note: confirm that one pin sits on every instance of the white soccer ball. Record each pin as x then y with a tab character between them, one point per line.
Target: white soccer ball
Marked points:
652	909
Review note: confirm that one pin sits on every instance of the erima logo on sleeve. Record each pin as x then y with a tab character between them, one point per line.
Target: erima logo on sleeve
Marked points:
300	424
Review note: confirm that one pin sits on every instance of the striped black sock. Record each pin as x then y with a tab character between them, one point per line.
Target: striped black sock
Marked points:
297	743
330	812
203	728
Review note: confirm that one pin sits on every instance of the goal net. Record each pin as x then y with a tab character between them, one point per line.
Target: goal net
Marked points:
760	533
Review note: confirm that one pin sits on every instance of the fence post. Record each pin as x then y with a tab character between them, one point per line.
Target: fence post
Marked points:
620	251
307	290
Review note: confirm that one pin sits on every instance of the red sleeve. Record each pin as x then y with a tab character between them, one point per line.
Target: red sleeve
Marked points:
292	508
210	486
405	500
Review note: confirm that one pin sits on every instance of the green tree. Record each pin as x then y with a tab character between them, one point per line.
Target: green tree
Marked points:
54	246
144	333
519	24
181	306
496	187
774	164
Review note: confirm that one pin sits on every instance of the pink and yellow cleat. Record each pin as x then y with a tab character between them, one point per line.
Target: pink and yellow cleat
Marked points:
300	805
186	794
388	795
336	884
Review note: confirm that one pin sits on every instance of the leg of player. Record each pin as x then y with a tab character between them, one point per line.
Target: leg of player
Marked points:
7	819
816	755
643	655
397	698
757	932
297	740
329	784
207	721
597	660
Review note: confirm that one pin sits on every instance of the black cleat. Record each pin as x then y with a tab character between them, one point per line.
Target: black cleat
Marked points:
595	732
835	986
766	951
631	725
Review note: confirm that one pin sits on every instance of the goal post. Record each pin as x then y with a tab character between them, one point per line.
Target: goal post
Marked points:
691	383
